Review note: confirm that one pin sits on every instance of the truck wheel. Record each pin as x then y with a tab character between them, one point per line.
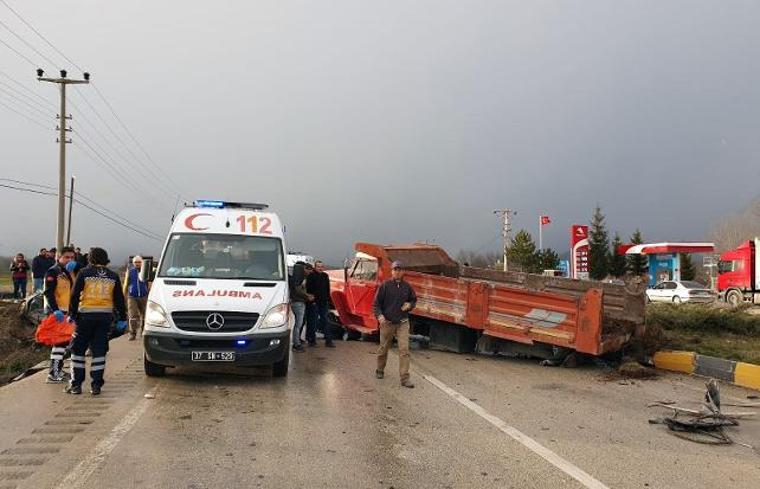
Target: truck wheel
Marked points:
280	369
153	369
353	335
734	298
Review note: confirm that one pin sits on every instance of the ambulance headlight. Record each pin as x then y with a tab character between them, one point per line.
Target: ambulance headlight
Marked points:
155	315
276	317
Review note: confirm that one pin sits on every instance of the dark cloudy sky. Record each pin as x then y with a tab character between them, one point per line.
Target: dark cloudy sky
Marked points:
395	120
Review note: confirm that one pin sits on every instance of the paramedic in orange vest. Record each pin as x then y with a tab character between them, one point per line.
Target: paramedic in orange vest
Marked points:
95	300
59	280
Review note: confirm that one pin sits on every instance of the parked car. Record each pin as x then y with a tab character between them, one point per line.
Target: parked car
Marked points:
683	291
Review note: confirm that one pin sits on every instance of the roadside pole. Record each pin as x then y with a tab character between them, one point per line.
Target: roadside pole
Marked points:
541	232
506	229
71	205
62	141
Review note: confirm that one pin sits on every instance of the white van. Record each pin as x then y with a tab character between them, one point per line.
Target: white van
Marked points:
221	291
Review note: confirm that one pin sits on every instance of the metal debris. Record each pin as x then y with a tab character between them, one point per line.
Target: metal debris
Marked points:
705	425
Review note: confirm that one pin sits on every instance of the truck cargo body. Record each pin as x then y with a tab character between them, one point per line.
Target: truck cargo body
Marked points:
588	317
739	274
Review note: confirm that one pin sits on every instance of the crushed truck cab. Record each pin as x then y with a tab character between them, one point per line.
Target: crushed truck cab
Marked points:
461	308
220	295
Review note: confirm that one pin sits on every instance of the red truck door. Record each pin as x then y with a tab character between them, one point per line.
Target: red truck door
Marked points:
360	290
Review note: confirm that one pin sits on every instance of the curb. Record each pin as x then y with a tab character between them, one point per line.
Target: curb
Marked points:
688	362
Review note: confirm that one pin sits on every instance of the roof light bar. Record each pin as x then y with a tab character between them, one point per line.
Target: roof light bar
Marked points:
220	204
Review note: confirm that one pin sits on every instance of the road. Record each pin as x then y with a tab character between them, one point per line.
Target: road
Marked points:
472	421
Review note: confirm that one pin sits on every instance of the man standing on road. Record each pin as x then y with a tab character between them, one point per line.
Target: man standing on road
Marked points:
59	280
40	265
136	292
393	301
298	299
96	297
318	285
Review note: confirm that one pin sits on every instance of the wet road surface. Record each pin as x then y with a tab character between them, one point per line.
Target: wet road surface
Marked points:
472	421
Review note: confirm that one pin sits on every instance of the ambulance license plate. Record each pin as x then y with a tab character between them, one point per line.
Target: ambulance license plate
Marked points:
213	356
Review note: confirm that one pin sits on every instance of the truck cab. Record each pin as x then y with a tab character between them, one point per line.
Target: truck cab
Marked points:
739	274
220	295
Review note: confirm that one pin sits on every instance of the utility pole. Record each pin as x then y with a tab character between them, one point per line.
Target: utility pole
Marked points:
71	205
62	141
506	230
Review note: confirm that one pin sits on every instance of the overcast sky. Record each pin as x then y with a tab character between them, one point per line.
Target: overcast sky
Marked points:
394	121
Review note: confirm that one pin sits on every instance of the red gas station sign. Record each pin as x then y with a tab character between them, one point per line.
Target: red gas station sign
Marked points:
579	251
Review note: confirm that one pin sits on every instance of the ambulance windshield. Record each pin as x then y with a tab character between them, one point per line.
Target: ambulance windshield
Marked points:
223	256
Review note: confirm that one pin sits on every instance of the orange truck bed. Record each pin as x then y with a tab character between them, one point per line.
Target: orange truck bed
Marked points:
564	313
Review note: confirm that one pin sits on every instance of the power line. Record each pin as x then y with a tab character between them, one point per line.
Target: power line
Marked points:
10	78
118	176
30	26
21	55
134	139
27	44
122	178
86	206
24	115
18	92
155	178
81	195
18	99
115	135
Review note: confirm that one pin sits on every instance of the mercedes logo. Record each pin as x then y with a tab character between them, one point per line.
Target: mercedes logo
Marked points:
215	321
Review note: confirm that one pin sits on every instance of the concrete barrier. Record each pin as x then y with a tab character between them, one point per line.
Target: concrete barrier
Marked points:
737	373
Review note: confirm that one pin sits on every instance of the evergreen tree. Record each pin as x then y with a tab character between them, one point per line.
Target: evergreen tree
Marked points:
546	259
599	247
688	272
637	264
618	263
521	254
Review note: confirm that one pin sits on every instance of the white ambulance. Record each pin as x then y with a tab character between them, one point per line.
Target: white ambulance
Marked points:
221	291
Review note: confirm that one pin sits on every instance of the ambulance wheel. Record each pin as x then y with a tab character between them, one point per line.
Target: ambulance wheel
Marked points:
153	369
280	369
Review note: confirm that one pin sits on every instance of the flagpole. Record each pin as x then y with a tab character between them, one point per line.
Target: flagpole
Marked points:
540	233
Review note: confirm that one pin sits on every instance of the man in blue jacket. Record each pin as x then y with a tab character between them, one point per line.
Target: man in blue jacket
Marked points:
136	292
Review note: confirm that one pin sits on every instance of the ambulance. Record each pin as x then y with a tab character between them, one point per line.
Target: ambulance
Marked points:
220	295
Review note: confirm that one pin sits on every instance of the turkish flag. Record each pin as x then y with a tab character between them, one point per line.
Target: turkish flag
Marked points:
545	220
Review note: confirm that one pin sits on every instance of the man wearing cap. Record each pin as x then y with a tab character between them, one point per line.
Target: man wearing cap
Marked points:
393	301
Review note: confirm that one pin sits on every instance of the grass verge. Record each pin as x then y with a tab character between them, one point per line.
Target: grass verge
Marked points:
721	332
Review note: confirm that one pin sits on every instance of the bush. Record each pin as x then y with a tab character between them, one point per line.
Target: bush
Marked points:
703	318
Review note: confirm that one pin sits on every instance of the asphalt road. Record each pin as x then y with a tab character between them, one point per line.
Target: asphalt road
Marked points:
472	421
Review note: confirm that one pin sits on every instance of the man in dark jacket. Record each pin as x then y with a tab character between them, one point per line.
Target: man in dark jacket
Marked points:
298	299
318	285
393	301
40	265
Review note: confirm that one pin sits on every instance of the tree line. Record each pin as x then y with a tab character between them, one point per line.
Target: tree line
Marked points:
604	260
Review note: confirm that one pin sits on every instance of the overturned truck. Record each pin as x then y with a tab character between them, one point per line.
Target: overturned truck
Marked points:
464	309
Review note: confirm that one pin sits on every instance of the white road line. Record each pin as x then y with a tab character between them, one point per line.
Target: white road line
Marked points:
79	474
565	466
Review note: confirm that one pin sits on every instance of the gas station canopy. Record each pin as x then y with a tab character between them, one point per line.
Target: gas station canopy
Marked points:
661	248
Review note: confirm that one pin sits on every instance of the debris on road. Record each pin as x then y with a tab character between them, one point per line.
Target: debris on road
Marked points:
149	396
705	425
634	370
